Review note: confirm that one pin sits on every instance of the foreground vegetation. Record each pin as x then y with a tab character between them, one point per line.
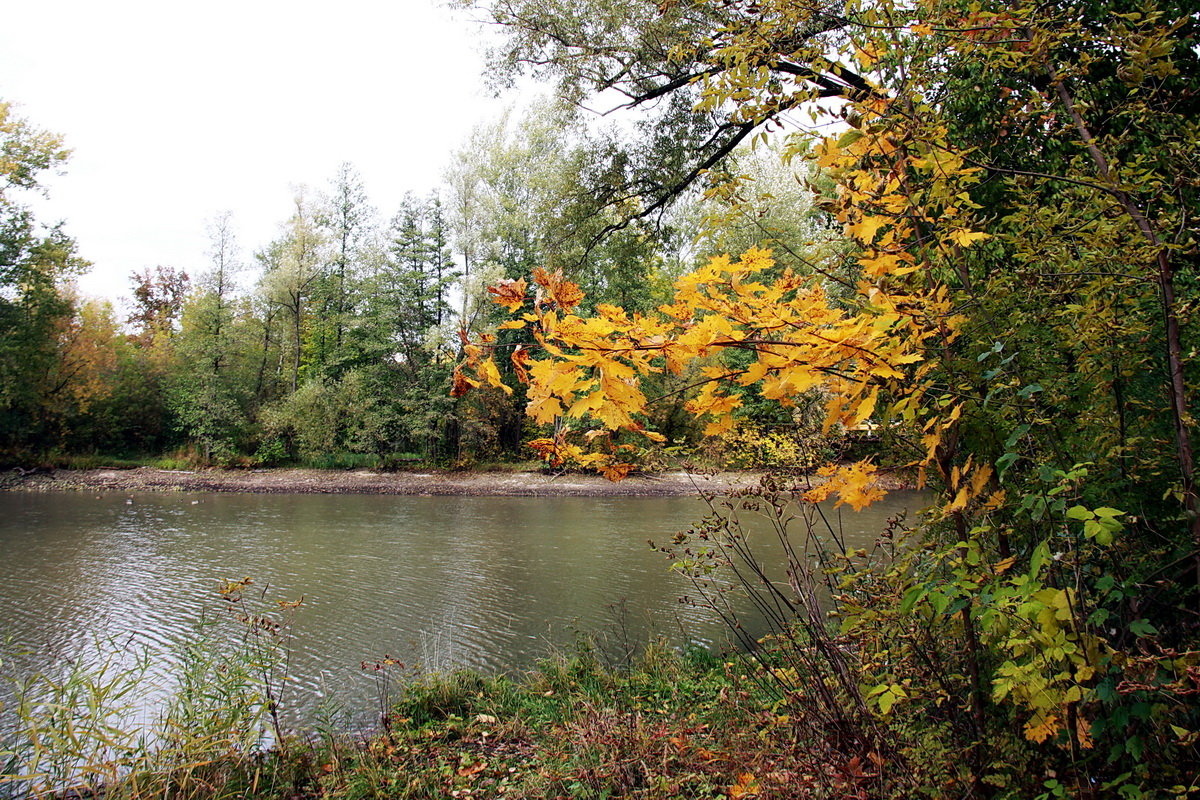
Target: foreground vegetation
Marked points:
659	725
667	726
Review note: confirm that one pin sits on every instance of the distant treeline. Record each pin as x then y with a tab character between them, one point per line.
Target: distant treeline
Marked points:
338	338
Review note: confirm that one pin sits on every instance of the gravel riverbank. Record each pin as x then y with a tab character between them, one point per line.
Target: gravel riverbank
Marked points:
313	481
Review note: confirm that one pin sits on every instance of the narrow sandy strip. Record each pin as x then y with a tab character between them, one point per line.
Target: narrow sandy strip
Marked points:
311	481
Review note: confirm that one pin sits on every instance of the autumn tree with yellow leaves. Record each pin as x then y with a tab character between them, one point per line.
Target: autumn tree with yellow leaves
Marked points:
1017	187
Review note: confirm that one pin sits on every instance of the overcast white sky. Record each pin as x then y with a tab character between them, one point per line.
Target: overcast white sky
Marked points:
179	111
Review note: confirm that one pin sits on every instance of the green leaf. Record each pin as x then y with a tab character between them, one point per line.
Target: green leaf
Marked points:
1015	436
849	137
1079	512
1141	627
911	597
986	354
1005	461
1040	555
890	696
939	601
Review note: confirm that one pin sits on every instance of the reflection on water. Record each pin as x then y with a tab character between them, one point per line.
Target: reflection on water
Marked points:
490	583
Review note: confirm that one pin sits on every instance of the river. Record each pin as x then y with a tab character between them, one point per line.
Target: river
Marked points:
490	583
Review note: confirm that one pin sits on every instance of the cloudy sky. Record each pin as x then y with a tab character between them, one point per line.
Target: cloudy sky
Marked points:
179	111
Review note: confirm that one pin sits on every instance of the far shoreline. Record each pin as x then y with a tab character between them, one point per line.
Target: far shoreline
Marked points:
676	483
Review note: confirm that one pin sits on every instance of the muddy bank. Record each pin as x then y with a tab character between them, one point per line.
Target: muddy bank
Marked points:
311	481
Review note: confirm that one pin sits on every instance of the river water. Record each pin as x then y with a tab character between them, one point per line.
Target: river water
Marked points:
489	583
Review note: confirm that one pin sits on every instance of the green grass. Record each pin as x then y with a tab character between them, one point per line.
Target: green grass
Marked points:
89	461
340	461
671	726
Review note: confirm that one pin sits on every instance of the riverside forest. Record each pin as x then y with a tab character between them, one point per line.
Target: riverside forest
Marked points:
942	244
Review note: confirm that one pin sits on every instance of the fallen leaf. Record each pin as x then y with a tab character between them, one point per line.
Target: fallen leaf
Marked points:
746	786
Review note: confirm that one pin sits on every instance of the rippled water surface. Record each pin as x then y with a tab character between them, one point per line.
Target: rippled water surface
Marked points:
483	582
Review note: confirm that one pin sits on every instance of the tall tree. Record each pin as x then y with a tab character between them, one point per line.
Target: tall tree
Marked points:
528	182
210	391
35	263
291	269
348	221
158	296
441	260
417	274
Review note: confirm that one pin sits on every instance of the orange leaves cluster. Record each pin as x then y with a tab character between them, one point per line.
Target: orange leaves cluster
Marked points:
854	484
968	483
558	452
509	293
485	369
553	290
746	786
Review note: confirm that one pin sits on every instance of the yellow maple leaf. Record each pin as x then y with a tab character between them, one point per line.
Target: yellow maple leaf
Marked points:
959	502
995	500
490	373
756	259
719	426
588	404
1040	727
855	485
880	264
544	409
613	416
865	229
866	407
979	480
867	56
965	238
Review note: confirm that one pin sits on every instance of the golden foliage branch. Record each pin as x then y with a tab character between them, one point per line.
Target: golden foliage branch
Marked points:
867	357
